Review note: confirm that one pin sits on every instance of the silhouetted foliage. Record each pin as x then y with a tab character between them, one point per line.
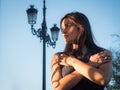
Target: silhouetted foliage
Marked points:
115	81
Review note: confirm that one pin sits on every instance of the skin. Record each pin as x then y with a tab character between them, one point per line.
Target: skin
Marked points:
71	35
100	75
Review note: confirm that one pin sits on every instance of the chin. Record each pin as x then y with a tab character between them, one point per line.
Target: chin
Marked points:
66	42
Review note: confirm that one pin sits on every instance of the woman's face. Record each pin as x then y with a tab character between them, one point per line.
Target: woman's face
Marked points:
69	31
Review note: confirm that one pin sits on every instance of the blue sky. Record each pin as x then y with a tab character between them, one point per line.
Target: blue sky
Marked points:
21	52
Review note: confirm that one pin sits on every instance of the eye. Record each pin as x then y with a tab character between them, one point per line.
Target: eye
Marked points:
68	25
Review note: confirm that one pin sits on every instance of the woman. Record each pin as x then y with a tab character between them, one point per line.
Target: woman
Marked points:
83	65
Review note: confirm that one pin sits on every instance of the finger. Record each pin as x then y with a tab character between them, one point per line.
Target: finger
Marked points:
104	59
108	58
105	55
63	62
100	61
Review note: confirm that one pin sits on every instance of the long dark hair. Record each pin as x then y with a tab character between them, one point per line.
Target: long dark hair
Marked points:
85	37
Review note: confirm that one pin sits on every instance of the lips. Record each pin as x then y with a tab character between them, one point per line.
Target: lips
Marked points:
65	36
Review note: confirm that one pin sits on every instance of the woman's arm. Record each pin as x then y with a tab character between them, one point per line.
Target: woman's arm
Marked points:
70	80
60	83
100	75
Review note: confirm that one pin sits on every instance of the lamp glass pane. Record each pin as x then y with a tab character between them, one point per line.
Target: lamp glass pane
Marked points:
32	17
54	33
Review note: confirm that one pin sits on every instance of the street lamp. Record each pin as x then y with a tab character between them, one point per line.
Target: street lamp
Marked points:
43	35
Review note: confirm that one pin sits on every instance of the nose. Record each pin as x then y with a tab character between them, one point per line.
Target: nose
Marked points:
64	31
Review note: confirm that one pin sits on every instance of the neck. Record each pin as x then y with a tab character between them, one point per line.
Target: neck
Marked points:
75	48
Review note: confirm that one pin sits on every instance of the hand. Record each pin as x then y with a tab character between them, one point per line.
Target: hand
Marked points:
100	58
64	59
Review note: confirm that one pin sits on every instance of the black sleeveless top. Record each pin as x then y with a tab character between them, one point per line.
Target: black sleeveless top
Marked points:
84	84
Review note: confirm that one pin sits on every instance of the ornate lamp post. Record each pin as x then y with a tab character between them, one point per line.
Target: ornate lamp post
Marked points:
43	35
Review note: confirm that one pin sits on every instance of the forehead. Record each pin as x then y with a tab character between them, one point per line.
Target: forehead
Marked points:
66	20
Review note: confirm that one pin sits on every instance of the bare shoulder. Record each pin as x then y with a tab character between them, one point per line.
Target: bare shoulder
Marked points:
108	64
108	50
55	58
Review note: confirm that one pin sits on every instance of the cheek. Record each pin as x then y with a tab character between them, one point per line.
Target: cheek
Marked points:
74	35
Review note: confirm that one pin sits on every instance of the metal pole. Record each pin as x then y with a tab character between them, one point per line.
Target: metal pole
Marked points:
44	28
42	34
44	65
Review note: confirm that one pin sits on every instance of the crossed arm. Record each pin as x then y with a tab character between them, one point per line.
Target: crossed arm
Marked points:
100	75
